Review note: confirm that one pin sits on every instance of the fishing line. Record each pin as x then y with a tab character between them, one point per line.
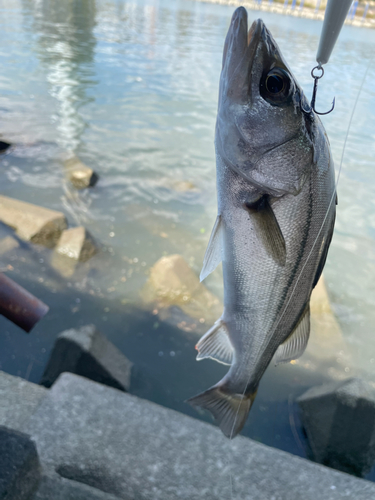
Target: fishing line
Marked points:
320	230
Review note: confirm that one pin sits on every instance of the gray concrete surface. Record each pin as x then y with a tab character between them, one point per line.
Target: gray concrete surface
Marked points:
87	352
19	400
339	419
55	487
132	448
19	465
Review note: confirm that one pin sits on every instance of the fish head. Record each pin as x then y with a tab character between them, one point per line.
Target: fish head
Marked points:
261	131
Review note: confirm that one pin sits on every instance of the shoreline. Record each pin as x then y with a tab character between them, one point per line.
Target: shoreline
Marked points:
278	8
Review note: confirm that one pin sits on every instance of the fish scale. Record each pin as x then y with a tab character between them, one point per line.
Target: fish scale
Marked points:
276	212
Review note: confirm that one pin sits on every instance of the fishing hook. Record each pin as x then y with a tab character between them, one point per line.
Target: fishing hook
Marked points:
312	105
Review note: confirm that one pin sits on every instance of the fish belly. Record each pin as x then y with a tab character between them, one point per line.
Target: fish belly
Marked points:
263	300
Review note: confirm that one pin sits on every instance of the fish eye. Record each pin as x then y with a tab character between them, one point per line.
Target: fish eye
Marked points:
275	86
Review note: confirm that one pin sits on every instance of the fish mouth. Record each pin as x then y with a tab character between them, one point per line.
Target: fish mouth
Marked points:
240	49
256	33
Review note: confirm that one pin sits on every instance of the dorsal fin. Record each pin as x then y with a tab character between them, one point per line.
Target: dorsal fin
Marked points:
213	255
267	228
295	345
215	344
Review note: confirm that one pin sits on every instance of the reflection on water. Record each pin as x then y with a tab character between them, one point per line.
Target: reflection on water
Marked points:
65	46
131	89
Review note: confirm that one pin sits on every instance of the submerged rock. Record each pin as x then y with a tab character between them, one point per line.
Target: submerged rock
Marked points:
65	266
172	282
79	174
183	186
31	222
76	243
339	420
8	244
327	350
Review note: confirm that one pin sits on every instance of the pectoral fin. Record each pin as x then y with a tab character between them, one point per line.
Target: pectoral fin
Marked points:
295	345
215	344
267	228
213	255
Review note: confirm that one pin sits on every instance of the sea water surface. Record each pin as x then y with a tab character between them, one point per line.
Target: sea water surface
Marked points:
130	88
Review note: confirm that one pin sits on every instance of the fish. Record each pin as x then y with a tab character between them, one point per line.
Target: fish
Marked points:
277	201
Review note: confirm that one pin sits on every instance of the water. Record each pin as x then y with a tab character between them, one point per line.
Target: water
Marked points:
131	89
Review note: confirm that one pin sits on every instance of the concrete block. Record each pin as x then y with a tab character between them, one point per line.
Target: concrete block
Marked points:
88	353
339	420
31	222
79	174
55	487
19	465
172	282
132	448
65	266
76	243
8	244
4	146
19	399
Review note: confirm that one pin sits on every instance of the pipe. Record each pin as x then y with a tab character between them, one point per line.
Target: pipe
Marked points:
20	306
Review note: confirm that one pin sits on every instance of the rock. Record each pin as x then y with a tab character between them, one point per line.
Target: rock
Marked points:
76	243
19	399
88	353
55	487
339	420
319	302
327	349
65	266
79	174
4	146
32	223
132	448
19	465
183	186
172	282
8	244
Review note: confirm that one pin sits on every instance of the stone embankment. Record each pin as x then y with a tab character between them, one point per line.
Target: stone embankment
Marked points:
85	441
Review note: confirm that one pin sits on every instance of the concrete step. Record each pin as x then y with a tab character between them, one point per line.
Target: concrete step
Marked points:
19	400
131	448
55	487
19	465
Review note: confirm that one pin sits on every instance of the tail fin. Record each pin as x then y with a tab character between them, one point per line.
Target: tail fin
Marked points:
230	411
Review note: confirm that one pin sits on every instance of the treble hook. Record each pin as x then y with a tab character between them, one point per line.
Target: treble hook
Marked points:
312	105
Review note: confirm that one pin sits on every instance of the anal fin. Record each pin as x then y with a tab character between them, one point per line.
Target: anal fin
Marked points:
215	344
230	411
294	346
213	255
267	228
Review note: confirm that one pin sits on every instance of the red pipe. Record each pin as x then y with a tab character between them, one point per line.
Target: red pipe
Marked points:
20	306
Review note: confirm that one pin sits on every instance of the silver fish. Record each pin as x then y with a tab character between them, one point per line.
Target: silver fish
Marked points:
276	213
